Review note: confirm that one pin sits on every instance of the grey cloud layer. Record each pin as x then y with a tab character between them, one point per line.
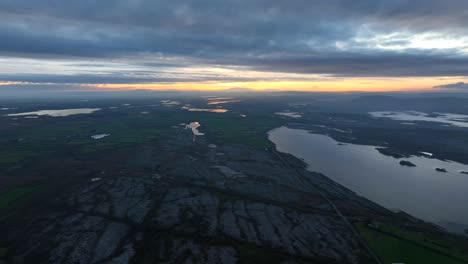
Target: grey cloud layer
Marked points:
296	36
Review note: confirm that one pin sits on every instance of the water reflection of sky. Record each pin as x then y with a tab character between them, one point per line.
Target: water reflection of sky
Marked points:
57	113
194	126
289	114
420	191
217	110
446	118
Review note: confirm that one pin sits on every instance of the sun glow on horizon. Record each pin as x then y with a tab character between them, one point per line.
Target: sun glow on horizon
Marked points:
341	85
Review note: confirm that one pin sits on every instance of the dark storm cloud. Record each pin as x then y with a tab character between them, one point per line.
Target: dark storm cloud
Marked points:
110	78
383	64
296	36
82	79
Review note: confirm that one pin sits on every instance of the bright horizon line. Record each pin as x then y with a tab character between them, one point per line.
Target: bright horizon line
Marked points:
346	85
351	84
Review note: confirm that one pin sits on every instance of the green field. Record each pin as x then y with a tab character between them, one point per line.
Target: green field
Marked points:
3	252
394	245
67	136
251	254
250	131
9	197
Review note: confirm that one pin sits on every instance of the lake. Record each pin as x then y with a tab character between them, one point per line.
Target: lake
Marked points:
421	191
99	136
215	110
58	113
457	120
289	114
194	126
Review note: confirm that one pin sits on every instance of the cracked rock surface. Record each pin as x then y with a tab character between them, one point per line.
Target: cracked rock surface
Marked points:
179	205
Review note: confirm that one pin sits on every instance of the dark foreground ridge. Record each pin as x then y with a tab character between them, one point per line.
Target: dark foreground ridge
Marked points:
197	204
151	192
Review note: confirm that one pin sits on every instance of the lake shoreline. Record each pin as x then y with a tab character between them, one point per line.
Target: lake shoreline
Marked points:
384	195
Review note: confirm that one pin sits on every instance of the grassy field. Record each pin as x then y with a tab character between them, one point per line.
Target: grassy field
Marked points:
9	197
65	136
394	245
250	131
251	254
3	252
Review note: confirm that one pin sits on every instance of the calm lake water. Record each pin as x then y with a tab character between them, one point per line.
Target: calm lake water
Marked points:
215	110
445	118
56	113
441	198
99	136
194	126
289	114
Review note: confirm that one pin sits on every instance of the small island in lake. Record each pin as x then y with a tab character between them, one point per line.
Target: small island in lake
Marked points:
407	163
391	152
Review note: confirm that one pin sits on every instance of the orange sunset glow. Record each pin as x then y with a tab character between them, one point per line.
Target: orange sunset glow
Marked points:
345	85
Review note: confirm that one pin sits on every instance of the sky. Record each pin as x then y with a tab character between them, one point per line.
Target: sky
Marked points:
307	45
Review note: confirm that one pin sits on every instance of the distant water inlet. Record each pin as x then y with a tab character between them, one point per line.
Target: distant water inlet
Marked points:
215	110
99	136
422	191
448	119
194	126
169	102
289	114
58	113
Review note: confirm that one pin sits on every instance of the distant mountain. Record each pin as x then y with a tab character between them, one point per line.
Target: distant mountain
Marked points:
378	102
376	99
459	85
238	89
